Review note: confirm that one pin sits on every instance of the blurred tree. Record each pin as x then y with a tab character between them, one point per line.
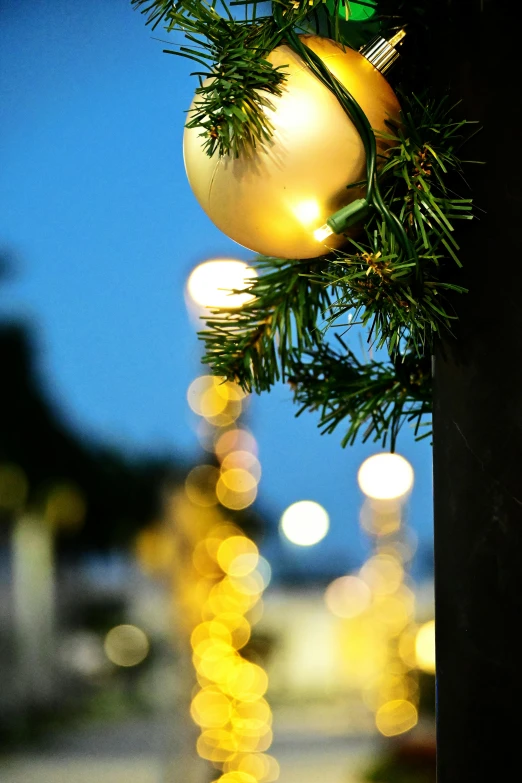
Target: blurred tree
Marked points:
121	494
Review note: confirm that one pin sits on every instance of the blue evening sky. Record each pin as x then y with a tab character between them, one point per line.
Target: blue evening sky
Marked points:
96	206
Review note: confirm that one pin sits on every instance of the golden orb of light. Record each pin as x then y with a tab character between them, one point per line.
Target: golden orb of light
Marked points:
213	284
386	477
425	647
273	198
126	645
305	523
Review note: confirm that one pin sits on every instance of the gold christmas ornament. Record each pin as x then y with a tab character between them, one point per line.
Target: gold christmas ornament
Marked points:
272	199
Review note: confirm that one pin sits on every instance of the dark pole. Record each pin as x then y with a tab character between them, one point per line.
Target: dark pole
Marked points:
478	425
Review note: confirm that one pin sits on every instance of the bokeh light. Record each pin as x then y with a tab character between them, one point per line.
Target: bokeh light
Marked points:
228	704
348	596
242	460
218	401
406	647
383	573
238	556
210	629
260	766
391	687
264	570
237	491
385	476
247	682
200	485
237	439
238	480
379	522
425	647
211	283
204	397
305	523
126	645
221	582
224	598
237	626
396	717
211	708
395	611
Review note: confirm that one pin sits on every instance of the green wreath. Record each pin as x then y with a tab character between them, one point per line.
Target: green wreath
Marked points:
395	278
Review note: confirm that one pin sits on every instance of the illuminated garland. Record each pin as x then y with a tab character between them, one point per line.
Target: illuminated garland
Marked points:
234	717
376	608
218	578
222	594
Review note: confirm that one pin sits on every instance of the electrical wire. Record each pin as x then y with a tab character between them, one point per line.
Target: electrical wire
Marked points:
360	120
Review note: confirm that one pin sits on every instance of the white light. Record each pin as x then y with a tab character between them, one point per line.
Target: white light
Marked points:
385	477
348	596
323	233
305	523
210	284
307	211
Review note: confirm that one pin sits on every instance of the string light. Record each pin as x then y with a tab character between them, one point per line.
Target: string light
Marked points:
219	587
229	706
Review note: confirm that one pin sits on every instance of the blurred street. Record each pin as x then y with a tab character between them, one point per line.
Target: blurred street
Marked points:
145	751
130	752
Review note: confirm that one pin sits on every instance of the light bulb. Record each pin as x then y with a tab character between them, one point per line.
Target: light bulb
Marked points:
323	233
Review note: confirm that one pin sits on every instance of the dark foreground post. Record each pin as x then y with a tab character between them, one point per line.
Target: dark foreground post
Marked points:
478	426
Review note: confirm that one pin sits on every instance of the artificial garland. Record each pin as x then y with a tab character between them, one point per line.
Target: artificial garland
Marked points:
393	274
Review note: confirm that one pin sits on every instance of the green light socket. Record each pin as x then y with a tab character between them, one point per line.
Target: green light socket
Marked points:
348	215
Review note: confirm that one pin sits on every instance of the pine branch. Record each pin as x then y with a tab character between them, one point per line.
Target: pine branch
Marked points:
375	397
380	290
395	276
157	10
251	346
404	302
237	80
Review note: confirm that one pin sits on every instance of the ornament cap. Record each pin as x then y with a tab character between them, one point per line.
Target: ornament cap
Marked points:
381	52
